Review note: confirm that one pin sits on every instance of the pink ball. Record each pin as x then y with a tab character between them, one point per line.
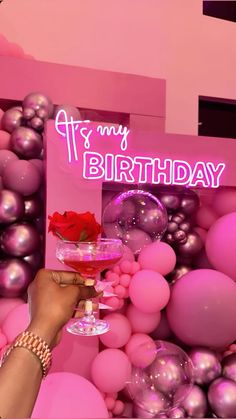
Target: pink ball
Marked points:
120	291
125	280
142	322
149	291
22	176
113	302
1	115
126	266
16	321
158	256
135	268
136	240
39	164
7	305
119	332
3	340
110	403
224	201
118	408
141	350
163	331
58	398
205	217
111	370
4	140
6	157
201	232
221	245
127	255
202	309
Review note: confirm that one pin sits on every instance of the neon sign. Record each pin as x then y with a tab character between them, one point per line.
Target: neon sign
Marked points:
126	168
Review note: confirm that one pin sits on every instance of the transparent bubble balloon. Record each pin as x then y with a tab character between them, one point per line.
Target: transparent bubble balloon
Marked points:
136	217
162	378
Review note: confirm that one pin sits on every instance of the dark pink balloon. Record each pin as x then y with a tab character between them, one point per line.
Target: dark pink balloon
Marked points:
39	164
71	111
11	119
26	143
15	276
11	206
4	140
20	239
41	104
6	157
202	309
33	207
22	176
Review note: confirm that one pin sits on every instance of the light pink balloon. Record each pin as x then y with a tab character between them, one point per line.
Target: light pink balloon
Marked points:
142	322
6	157
127	254
119	332
163	330
202	309
221	245
7	305
149	291
141	350
224	201
22	176
111	370
136	240
67	395
158	256
4	140
16	322
201	232
205	217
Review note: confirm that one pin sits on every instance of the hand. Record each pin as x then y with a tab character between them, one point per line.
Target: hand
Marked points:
53	297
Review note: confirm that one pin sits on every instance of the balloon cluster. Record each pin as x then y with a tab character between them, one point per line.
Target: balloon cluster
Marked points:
21	206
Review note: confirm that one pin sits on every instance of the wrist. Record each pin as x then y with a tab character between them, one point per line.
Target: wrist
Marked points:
44	331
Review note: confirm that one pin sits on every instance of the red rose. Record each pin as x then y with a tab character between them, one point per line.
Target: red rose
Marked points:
74	227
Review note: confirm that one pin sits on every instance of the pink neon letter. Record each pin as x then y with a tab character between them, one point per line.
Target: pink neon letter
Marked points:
215	173
143	163
162	173
123	168
181	172
93	165
200	175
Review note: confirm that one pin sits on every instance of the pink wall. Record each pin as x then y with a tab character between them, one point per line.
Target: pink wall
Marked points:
167	39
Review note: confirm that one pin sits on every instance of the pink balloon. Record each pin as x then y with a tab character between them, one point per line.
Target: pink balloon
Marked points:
158	256
111	370
201	232
205	217
1	111
39	164
16	322
142	322
22	176
149	291
66	395
127	255
112	230
6	157
202	309
221	245
138	357
119	332
4	140
136	240
163	330
224	201
7	305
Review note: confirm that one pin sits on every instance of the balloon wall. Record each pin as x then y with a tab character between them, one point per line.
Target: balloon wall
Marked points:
170	301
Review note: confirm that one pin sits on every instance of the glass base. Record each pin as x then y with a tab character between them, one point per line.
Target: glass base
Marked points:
85	327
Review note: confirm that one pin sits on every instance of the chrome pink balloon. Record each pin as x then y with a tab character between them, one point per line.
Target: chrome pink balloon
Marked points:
20	239
39	164
229	367
27	143
15	276
12	119
222	398
33	207
206	364
178	272
151	401
11	206
6	157
21	176
192	246
40	103
35	260
36	123
195	404
189	202
176	413
170	201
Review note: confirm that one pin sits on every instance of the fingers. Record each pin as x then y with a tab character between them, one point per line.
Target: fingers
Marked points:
63	277
89	292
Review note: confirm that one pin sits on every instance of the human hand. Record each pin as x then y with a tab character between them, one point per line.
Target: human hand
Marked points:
53	297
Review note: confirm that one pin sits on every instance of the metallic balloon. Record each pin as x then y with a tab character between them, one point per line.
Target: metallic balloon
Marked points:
222	397
229	367
15	276
177	413
35	260
33	206
6	157
36	123
192	246
171	201
20	239
26	142
28	113
189	203
206	364
172	227
142	413
12	119
71	111
185	226
169	238
11	206
178	218
180	236
152	401
179	271
195	404
40	103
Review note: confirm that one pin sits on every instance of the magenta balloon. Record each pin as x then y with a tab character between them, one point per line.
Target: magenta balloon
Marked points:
41	104
15	276
229	367
22	176
39	164
222	398
27	143
205	217
33	207
4	140
221	245
6	157
224	201
206	364
195	404
202	303
162	331
11	206
20	239
12	119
